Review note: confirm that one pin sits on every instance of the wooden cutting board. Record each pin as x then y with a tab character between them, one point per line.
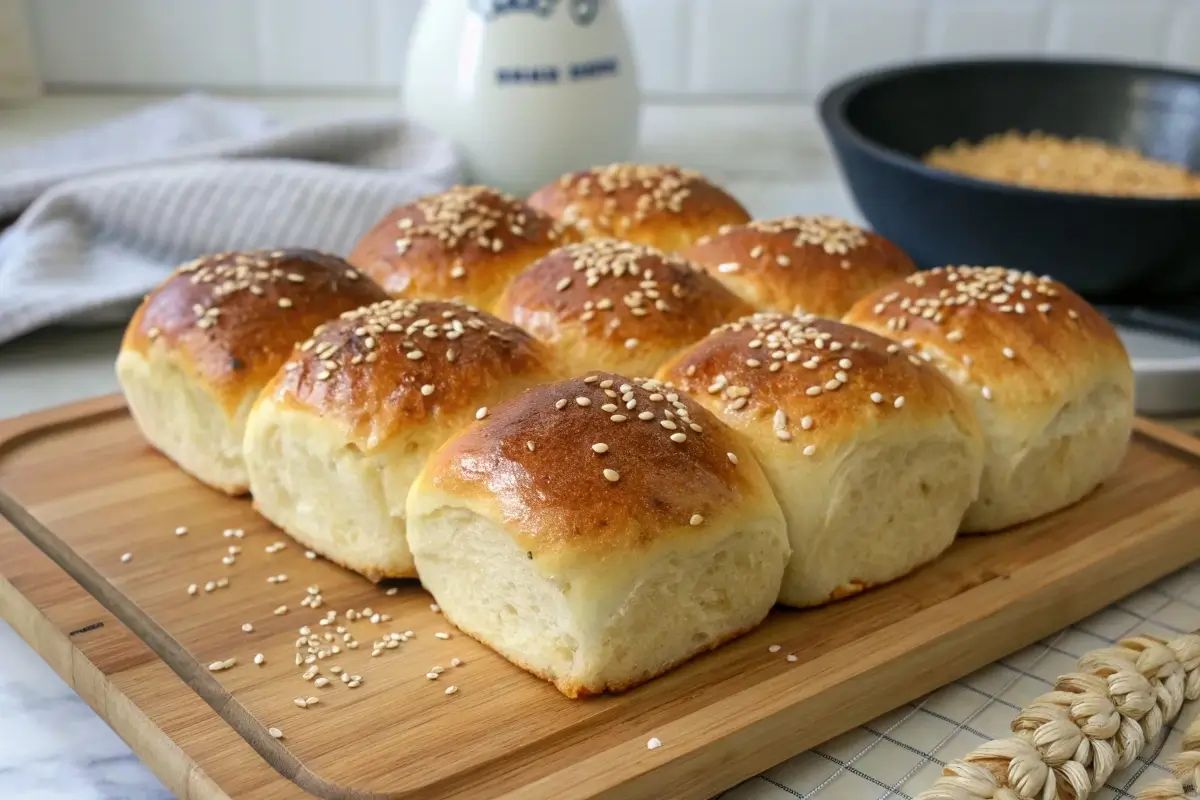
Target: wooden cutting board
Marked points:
83	489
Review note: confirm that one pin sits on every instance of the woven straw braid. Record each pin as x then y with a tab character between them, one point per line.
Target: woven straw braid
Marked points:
1095	721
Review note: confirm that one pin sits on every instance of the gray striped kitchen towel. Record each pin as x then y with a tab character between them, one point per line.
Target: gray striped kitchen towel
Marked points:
102	215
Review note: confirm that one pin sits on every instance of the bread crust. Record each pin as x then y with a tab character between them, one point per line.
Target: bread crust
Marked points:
231	319
661	205
398	364
617	305
600	478
812	264
465	243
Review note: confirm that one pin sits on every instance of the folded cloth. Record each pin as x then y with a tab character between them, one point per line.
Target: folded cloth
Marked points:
107	212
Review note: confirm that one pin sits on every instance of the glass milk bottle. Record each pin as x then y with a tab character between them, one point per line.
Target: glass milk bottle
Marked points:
527	89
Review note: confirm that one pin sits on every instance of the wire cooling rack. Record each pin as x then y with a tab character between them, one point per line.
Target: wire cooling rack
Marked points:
898	755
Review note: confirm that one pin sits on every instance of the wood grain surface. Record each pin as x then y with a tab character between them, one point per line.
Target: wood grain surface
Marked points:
84	489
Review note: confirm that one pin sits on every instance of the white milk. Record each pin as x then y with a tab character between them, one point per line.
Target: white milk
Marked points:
527	89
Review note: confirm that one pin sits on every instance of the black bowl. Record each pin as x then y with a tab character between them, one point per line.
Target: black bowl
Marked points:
1110	249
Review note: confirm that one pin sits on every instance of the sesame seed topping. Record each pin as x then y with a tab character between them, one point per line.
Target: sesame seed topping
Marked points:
285	302
611	475
529	446
427	390
898	402
810	449
583	401
774	648
247	627
481	413
986	392
654	743
733	459
181	531
678	438
600	447
696	519
451	690
126	558
1008	353
275	733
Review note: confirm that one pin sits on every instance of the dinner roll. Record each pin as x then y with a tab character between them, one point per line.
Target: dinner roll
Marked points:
593	545
655	204
608	304
1049	378
873	455
337	437
815	265
463	244
202	345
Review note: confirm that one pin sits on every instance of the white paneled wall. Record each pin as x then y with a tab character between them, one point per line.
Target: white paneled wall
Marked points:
695	48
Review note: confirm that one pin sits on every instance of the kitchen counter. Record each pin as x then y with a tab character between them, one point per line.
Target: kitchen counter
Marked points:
51	744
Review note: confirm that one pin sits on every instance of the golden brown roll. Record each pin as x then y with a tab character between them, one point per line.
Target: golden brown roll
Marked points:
338	435
202	345
796	265
598	549
1050	381
463	244
656	204
873	455
623	307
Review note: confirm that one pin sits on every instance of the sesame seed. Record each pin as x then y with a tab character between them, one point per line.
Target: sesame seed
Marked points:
696	519
631	343
876	397
774	648
582	401
810	449
433	676
260	659
612	475
451	689
441	635
247	627
733	459
481	413
678	438
561	404
986	392
618	418
126	558
793	657
415	355
806	422
321	683
1008	352
285	302
457	271
600	447
813	391
427	390
456	662
654	743
898	402
181	531
275	733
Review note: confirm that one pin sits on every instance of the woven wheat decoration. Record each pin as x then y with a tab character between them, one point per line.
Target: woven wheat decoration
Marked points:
1095	721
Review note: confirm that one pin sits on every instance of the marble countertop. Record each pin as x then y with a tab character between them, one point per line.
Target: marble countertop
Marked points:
52	746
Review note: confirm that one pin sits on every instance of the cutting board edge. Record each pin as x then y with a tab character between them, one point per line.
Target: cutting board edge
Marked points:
166	759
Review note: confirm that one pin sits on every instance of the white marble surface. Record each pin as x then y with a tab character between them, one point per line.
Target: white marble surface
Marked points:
52	746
